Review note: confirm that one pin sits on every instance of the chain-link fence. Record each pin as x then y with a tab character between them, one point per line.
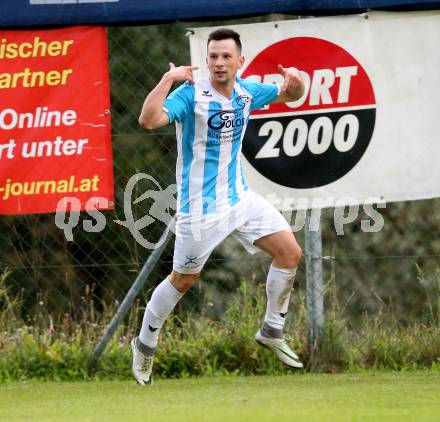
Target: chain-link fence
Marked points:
393	271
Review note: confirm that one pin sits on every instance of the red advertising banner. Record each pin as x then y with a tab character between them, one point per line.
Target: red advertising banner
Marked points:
55	129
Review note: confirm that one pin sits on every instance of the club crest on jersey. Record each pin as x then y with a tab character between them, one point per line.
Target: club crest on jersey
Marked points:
242	100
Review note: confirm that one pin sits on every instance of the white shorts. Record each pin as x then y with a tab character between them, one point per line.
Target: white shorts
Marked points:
197	236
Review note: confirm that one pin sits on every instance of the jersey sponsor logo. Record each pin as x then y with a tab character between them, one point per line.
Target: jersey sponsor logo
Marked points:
227	120
319	138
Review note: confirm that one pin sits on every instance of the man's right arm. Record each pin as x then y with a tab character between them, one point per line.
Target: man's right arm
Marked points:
152	115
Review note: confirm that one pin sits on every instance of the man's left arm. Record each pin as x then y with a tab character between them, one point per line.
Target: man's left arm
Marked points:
292	87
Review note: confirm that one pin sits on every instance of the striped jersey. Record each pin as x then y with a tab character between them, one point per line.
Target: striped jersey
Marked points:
210	129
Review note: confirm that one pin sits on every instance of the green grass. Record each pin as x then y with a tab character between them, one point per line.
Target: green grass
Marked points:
367	396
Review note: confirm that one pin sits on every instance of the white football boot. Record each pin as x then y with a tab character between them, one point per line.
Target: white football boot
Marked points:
281	349
142	366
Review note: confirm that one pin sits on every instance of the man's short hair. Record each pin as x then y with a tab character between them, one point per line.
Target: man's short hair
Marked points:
225	34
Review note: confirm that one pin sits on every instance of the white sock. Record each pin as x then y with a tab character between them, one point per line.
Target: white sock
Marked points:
278	287
162	302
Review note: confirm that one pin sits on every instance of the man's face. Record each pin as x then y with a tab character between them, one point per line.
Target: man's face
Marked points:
223	60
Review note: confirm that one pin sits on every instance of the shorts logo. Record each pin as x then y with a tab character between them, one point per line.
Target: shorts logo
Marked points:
190	260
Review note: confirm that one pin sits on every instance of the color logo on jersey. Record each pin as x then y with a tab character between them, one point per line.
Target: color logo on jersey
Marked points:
226	120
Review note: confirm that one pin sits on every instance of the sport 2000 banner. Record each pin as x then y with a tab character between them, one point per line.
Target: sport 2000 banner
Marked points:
55	133
366	128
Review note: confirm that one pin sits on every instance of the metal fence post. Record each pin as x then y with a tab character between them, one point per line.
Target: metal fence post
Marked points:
133	292
314	275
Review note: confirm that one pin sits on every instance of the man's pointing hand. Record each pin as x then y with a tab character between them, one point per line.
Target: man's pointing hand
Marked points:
182	73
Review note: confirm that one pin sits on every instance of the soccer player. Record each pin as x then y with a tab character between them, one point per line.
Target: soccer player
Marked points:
213	199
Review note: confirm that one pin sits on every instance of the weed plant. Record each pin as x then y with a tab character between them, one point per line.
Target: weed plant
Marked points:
49	348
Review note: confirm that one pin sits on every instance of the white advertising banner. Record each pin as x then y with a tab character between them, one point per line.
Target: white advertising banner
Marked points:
367	129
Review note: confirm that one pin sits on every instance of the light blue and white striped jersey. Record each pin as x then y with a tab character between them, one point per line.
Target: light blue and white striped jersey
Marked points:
210	130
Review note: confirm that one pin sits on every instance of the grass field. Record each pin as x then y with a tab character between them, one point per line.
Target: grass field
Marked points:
391	396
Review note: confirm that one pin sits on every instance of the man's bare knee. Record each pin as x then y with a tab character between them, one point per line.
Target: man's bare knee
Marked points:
182	282
288	257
